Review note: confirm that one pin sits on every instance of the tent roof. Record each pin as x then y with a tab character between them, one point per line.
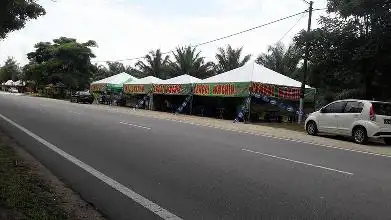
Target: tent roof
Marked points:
253	72
145	80
9	83
19	83
116	79
182	79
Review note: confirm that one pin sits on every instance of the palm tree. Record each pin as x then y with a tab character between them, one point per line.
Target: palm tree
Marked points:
229	59
155	65
281	60
188	61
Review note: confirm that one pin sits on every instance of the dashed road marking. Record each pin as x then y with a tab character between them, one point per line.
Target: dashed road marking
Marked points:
134	125
298	162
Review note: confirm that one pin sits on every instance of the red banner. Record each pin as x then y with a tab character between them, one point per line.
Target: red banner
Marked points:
167	89
264	89
224	89
97	87
288	93
200	89
173	89
134	88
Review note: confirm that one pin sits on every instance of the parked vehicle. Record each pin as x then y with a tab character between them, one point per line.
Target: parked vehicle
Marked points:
359	119
13	90
82	97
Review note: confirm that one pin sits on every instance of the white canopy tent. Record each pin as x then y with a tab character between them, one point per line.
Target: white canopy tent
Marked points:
9	83
180	85
144	81
19	83
182	79
251	78
253	72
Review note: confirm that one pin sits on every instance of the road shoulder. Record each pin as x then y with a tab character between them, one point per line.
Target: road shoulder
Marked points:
256	129
31	191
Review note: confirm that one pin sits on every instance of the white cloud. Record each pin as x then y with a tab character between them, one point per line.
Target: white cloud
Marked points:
125	29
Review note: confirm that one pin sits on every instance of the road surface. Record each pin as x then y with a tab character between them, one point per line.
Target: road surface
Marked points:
133	167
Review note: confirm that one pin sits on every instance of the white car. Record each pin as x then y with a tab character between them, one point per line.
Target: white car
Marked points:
360	119
13	90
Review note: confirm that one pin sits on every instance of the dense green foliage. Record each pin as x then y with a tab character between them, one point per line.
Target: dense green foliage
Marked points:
155	64
65	61
282	60
351	51
229	59
15	13
187	60
10	71
101	71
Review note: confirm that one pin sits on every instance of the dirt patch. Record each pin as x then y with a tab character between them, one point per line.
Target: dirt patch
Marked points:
28	190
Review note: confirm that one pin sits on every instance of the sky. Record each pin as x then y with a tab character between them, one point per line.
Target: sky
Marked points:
126	29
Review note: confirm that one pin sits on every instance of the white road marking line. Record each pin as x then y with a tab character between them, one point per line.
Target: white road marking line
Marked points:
73	112
299	162
151	206
133	125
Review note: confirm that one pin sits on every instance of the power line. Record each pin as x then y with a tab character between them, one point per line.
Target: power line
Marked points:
283	36
251	29
217	39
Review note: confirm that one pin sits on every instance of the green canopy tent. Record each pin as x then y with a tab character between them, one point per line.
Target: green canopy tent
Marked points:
141	86
112	83
140	91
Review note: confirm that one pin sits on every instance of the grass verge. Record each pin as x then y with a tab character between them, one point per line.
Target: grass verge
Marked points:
23	194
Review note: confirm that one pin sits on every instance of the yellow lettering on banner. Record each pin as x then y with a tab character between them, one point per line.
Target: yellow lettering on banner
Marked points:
201	89
225	89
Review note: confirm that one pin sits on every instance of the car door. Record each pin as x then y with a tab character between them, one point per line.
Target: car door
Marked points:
328	117
351	113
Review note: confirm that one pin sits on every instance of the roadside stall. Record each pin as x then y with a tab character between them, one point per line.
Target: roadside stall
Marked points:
20	85
169	95
110	89
139	92
271	96
9	86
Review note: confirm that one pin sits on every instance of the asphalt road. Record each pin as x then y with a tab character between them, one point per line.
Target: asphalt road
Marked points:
134	167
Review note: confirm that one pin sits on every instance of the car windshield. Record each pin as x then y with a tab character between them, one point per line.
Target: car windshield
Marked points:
382	108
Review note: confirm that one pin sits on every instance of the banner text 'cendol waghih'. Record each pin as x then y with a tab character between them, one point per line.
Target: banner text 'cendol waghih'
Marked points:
222	89
97	87
172	89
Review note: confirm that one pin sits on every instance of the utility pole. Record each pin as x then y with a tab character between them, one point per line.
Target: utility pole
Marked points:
307	51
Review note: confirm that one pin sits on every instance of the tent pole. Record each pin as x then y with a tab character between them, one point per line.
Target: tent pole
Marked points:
191	105
249	109
151	107
316	92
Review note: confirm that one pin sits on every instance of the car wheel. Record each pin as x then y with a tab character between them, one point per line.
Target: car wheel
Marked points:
311	128
387	141
360	135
